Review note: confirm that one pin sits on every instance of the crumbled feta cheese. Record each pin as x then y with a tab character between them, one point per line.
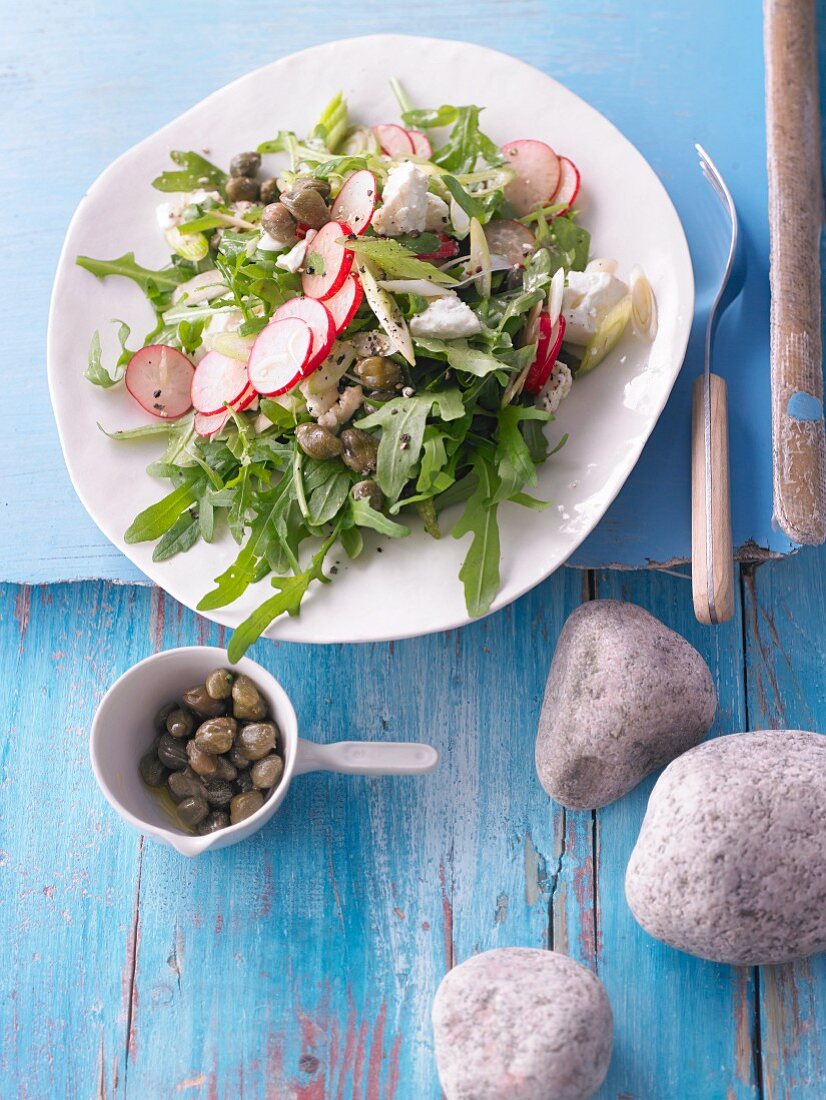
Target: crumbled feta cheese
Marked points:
345	406
169	214
586	300
404	202
556	389
291	261
446	319
437	215
274	244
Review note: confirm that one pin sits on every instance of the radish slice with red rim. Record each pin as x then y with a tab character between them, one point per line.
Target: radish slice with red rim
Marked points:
211	425
537	174
280	355
345	303
160	380
246	399
356	201
511	240
394	141
568	187
218	381
328	262
421	144
321	324
547	349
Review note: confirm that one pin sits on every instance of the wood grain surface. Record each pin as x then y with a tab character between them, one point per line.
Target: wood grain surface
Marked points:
301	964
712	566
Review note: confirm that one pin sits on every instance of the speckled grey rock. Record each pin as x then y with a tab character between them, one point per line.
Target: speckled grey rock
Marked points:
624	696
524	1024
730	863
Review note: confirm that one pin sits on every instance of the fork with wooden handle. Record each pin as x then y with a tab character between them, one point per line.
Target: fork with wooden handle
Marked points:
712	559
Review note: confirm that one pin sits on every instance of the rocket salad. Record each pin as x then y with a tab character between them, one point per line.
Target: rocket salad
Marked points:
378	328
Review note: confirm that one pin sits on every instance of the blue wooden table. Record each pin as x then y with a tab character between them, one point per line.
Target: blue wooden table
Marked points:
302	964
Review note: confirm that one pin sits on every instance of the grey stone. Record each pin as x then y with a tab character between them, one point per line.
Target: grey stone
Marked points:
730	863
524	1024
624	696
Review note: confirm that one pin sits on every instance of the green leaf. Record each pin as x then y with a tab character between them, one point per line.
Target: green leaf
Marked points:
466	143
277	414
95	371
530	502
326	498
189	334
422	244
315	264
480	570
196	174
156	520
352	540
395	260
181	536
571	241
363	515
146	431
332	126
515	467
402	422
155	284
461	356
472	207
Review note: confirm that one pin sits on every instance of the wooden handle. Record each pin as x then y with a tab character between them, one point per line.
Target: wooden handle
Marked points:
712	560
795	219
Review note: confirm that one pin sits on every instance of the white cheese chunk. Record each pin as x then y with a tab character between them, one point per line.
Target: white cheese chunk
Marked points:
404	202
437	214
586	300
446	319
556	389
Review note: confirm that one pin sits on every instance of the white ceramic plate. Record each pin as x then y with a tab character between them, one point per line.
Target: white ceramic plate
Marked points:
412	586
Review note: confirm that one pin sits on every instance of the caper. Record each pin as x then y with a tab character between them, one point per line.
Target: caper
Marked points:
278	221
266	773
219	793
303	182
153	773
219	684
180	723
360	450
192	810
216	735
224	769
247	701
379	397
201	702
369	491
242	189
257	739
202	763
307	207
237	759
245	164
269	191
377	372
172	753
318	442
217	820
245	804
185	784
244	782
162	715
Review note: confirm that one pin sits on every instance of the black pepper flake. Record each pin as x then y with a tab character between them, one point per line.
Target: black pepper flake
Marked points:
157	406
157	393
404	441
334	569
379	549
394	412
370	193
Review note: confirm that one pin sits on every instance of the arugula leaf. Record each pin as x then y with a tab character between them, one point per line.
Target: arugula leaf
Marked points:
145	431
156	520
471	206
352	540
315	264
480	570
461	356
196	173
340	166
156	285
530	502
429	118
572	243
95	371
326	492
363	515
466	144
181	536
395	260
402	422
288	600
332	126
189	334
515	467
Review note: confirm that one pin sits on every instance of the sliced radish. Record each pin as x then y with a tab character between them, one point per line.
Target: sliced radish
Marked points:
537	174
448	248
246	399
335	263
394	141
160	380
356	201
320	322
280	355
211	425
218	381
510	240
568	187
547	349
345	302
421	144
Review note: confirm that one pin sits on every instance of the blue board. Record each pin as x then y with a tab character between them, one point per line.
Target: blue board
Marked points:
666	74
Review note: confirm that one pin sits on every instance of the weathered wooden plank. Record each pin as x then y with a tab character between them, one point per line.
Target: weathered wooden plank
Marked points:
684	1027
786	655
68	871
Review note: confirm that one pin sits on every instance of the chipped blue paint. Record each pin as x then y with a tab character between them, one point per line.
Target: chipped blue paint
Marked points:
802	406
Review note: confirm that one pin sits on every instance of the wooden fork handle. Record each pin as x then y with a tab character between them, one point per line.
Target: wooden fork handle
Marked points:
712	559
